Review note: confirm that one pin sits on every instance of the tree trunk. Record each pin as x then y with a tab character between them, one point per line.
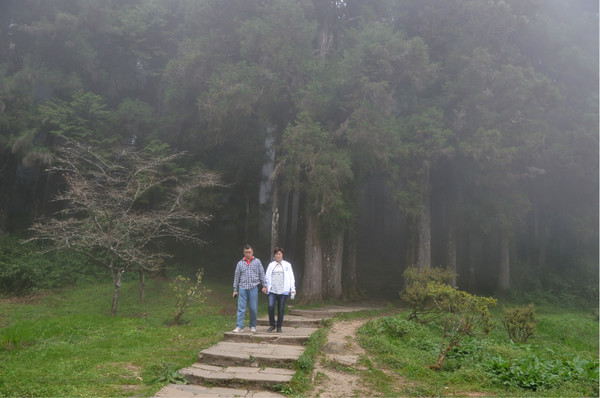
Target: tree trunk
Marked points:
117	279
325	39
411	241
504	268
424	224
542	256
332	267
293	222
473	260
40	199
142	278
424	241
540	233
451	246
7	180
247	221
350	285
274	217
313	263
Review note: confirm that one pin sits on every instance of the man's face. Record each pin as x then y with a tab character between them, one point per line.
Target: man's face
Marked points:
248	253
278	256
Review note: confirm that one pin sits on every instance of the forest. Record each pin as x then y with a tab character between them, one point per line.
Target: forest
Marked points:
364	137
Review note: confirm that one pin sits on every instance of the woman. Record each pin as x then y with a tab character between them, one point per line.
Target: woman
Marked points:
280	284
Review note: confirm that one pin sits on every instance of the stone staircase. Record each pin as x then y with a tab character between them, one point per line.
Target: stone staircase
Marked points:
252	360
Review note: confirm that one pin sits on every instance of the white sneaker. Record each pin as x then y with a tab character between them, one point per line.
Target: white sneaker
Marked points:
237	330
253	330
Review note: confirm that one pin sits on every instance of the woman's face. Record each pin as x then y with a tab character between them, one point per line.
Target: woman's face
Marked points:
278	256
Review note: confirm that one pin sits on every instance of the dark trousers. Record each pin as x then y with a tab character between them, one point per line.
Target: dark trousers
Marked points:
280	300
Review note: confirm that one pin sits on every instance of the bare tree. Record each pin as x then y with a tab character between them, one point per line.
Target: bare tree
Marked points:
119	207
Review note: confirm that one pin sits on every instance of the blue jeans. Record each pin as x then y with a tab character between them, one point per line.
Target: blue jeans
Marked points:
280	299
250	297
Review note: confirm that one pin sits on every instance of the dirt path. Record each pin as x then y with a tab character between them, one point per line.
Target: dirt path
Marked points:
333	375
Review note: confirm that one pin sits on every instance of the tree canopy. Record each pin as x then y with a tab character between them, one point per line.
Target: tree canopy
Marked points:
381	135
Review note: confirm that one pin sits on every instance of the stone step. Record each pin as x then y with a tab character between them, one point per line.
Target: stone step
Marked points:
324	313
228	353
236	376
293	321
192	390
290	336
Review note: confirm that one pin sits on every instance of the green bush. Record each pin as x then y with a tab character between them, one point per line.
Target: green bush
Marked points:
412	275
533	373
459	315
416	281
24	269
519	323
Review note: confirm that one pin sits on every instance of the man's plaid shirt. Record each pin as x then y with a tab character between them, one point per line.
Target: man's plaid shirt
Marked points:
249	276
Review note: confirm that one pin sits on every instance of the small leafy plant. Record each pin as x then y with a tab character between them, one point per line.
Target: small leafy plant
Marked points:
519	323
168	373
186	296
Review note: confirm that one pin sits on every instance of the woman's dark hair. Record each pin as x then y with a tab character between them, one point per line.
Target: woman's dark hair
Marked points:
278	249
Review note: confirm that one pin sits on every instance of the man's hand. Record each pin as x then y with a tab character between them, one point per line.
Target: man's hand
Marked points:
264	290
235	294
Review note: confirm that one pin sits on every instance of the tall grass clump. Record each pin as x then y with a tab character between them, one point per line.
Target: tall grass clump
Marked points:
16	336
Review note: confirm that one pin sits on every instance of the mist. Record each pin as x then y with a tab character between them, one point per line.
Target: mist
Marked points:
383	135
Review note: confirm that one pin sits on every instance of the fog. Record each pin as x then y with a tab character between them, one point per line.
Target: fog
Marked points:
435	133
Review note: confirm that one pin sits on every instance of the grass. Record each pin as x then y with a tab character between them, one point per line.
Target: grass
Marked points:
302	380
554	362
64	343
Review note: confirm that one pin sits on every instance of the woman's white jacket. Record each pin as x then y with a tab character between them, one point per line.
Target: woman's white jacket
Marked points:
289	283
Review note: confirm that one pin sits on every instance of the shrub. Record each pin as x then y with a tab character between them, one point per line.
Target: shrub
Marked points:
186	296
459	315
415	294
519	323
24	269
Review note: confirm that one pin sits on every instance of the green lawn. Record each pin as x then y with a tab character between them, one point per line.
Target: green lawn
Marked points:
64	343
561	359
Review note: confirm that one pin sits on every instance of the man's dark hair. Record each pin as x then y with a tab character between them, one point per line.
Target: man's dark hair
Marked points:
278	249
247	247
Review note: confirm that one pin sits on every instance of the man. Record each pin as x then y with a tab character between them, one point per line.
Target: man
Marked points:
249	273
